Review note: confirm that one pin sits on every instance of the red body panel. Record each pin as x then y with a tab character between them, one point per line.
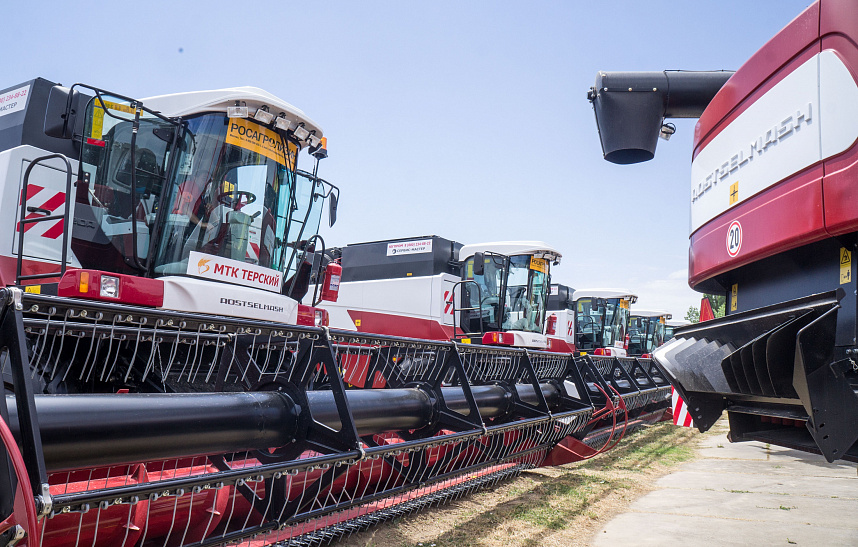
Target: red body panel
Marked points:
398	325
785	216
140	291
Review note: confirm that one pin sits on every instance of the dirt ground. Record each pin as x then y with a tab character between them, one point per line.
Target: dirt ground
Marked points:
552	506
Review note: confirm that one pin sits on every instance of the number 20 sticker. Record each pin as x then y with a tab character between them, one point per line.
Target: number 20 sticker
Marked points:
734	238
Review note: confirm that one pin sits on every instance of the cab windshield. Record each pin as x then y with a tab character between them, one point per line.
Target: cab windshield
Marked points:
512	294
232	195
645	334
601	323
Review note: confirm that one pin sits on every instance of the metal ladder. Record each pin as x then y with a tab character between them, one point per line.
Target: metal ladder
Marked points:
24	221
456	309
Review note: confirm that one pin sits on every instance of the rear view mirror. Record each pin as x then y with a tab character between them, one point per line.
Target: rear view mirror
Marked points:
60	114
479	263
332	209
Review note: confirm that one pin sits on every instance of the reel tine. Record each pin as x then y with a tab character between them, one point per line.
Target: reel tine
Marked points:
93	339
174	348
136	348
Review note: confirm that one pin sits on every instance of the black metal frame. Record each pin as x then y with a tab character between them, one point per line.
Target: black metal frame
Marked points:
24	221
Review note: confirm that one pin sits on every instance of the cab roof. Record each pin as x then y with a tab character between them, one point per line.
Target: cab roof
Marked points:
651	313
175	105
678	323
604	293
539	249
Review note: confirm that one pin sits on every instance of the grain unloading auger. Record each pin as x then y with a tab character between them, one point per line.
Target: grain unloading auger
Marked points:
774	228
163	386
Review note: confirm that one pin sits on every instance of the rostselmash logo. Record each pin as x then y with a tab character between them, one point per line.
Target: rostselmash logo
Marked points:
251	304
203	265
756	148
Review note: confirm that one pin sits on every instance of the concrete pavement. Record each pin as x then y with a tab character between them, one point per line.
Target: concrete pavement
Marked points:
744	494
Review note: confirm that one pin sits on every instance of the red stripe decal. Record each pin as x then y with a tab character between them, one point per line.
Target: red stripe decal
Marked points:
54	231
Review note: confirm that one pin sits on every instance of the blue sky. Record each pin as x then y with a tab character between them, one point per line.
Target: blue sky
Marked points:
468	120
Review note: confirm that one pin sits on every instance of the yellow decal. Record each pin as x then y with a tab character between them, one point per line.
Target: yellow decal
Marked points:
734	295
35	289
97	123
845	266
470	269
256	138
118	107
357	322
98	116
661	320
624	304
734	193
538	264
465	340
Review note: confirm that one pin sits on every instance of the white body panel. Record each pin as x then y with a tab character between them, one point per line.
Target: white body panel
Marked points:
532	340
780	134
40	242
417	297
210	297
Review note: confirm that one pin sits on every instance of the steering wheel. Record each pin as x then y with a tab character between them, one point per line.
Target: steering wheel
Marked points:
234	199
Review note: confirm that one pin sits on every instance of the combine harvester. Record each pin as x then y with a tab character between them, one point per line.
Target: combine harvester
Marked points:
774	226
434	288
163	385
646	331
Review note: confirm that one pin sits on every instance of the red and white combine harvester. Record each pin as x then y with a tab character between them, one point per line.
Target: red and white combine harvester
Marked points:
163	385
646	331
774	228
589	320
437	289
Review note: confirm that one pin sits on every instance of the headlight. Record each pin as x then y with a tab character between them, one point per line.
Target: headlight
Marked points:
109	286
319	319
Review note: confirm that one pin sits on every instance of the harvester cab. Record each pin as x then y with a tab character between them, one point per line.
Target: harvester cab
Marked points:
590	320
191	201
647	331
435	288
505	289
